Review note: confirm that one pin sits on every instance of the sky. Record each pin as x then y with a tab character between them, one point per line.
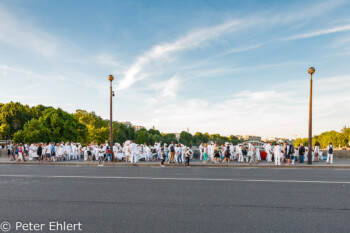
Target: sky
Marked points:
227	67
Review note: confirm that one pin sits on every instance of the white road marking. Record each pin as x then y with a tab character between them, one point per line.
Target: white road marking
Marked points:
182	179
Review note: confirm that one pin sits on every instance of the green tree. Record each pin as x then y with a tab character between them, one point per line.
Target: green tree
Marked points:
13	117
168	138
54	125
34	131
186	138
141	136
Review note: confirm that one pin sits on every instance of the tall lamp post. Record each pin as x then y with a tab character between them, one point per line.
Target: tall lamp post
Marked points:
309	155
111	78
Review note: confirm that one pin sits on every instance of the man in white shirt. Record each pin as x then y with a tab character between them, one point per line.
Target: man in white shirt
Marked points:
48	152
330	151
277	150
133	152
67	150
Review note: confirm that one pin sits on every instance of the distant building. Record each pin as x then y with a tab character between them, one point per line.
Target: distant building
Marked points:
127	123
138	127
177	135
279	140
251	138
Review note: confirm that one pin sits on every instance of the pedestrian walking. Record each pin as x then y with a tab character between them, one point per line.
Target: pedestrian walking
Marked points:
301	153
40	153
188	157
163	156
330	151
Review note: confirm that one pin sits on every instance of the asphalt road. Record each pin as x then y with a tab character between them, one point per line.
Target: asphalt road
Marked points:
155	199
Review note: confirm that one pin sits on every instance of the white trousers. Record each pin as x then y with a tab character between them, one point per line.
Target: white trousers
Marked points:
133	158
269	157
240	157
201	155
330	158
183	157
278	160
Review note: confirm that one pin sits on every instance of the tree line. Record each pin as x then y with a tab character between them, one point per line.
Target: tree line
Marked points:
341	139
23	123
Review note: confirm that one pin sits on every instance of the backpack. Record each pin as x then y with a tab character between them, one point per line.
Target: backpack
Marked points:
330	150
292	150
172	149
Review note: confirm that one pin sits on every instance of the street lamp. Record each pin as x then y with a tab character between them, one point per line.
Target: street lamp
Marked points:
309	155
111	78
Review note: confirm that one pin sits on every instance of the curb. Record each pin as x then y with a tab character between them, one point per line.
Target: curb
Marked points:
118	164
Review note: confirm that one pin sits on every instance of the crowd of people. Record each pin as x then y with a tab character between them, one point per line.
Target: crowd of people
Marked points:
248	153
173	153
128	152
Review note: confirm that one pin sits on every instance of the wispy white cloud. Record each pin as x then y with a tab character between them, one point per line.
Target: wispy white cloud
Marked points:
280	110
22	35
191	41
318	32
194	39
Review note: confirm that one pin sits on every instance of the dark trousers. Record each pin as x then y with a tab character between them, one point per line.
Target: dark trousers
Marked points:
163	160
187	163
301	158
179	159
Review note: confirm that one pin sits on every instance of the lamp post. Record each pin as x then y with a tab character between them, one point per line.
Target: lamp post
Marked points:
309	155
111	78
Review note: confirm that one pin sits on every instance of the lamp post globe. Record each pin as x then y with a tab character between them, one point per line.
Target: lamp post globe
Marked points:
311	70
110	77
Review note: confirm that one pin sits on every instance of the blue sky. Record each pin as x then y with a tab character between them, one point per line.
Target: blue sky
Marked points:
228	67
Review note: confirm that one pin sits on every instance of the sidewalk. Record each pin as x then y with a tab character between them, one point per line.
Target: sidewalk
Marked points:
340	164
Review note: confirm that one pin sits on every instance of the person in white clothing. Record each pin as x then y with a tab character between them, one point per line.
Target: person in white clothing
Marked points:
277	150
330	151
201	151
257	154
127	150
317	152
133	152
253	158
240	154
212	151
101	154
232	152
96	152
115	150
183	152
268	150
60	152
148	153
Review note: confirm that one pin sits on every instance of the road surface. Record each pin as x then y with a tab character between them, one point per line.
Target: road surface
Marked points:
176	199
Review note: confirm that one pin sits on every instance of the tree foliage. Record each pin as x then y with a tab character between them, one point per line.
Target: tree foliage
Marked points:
341	139
47	124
